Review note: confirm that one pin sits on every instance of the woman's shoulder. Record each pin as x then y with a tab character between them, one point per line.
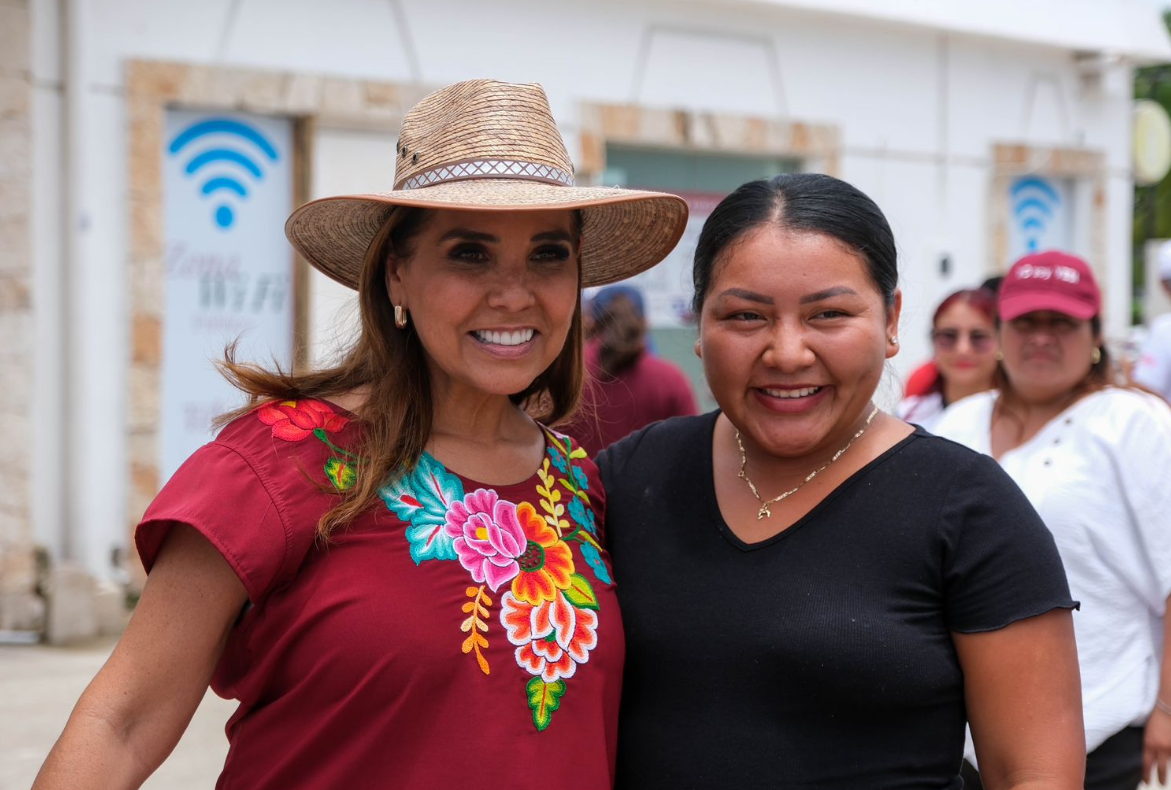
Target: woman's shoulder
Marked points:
937	458
919	406
967	420
659	440
1118	411
975	404
1128	400
285	439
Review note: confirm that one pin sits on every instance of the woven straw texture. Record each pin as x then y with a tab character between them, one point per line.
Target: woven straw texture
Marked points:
624	231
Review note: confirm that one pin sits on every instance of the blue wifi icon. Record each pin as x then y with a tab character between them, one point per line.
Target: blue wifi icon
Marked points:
223	167
1034	202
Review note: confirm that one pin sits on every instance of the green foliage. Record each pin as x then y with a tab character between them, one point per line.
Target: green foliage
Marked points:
1152	204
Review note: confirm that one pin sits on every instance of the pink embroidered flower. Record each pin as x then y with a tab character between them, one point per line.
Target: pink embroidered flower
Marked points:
488	537
294	420
552	637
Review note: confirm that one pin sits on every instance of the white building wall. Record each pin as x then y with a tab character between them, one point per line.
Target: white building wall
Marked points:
919	105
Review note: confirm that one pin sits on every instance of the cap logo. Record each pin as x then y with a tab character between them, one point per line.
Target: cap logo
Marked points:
1063	273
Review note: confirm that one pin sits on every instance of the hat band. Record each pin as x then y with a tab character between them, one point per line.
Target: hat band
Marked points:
489	168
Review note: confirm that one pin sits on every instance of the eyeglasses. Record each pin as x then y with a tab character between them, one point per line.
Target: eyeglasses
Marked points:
949	339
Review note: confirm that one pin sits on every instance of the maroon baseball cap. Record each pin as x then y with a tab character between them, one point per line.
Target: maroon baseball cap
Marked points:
1050	280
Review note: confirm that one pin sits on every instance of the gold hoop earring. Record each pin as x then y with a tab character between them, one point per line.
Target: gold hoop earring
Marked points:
1095	356
400	316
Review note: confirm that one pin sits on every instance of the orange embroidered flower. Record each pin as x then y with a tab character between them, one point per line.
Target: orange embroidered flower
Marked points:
547	562
294	420
552	638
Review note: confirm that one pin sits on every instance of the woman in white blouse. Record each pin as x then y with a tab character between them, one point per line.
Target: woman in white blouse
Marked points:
1095	461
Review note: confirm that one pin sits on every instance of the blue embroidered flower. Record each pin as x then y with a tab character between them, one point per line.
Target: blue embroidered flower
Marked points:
584	517
558	460
579	476
594	560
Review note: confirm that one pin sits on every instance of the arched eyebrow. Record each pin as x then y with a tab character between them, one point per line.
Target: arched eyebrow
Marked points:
553	235
828	293
467	234
748	296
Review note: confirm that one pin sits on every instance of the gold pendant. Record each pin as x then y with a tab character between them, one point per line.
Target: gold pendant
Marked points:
764	511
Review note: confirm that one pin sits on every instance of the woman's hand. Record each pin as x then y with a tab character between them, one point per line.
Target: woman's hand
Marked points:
1157	745
133	713
1157	738
1023	693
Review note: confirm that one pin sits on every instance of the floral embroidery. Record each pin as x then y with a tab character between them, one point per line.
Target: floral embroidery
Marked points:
549	611
297	420
552	637
558	459
475	627
341	473
547	563
422	498
488	537
593	558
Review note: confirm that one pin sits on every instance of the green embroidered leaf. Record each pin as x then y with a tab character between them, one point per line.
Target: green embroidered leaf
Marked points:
341	473
575	491
581	593
544	699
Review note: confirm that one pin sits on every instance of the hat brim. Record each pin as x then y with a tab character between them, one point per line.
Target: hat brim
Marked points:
624	231
1014	306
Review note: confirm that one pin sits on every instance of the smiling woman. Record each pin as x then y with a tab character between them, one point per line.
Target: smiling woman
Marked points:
395	565
849	581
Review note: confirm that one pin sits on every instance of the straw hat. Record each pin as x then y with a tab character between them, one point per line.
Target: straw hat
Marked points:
491	146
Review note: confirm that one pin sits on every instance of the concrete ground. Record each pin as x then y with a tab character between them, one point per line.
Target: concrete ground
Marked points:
38	687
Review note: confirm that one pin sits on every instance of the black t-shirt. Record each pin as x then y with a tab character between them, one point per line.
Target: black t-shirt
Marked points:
821	657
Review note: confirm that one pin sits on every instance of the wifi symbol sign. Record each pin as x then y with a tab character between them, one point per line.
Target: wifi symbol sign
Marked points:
220	164
1034	207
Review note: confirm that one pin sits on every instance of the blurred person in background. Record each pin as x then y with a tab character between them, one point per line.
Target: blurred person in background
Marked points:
1152	370
924	377
394	564
815	593
627	386
963	334
1093	459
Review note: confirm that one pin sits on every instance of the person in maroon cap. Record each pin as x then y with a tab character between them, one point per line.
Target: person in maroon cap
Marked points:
1093	459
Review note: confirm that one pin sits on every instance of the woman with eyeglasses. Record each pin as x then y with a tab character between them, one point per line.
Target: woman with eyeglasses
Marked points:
963	334
1093	459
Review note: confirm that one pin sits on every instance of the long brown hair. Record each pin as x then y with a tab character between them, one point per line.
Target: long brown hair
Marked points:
396	418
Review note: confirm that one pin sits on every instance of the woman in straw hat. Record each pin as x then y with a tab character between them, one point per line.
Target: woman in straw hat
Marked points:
393	564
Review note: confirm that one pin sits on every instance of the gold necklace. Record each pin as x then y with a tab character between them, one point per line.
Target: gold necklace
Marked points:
764	511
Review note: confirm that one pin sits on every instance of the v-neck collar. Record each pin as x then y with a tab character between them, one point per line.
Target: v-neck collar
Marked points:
708	475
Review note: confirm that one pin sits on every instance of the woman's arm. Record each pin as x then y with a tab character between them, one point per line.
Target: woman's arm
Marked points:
1157	739
1023	692
135	710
